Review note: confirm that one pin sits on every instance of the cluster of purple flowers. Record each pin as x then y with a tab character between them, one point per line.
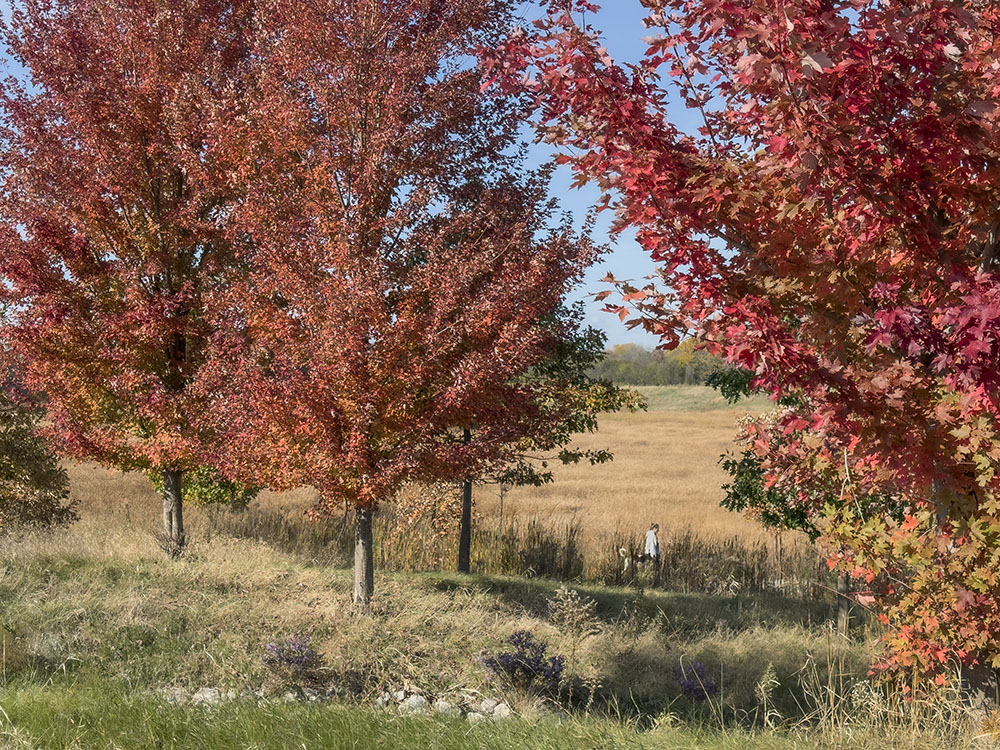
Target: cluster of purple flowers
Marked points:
695	682
526	667
295	655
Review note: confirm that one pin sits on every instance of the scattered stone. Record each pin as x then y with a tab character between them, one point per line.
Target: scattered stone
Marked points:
415	704
289	697
469	699
400	696
487	705
383	700
207	696
175	695
502	711
50	648
445	708
475	717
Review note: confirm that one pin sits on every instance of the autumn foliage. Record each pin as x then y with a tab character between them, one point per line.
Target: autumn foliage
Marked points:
830	227
406	267
113	246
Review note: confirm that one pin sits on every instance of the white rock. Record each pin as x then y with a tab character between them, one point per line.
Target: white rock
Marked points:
475	717
415	704
487	705
502	711
207	696
290	697
400	696
383	700
445	708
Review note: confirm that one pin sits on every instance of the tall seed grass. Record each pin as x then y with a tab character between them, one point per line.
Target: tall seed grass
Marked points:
690	563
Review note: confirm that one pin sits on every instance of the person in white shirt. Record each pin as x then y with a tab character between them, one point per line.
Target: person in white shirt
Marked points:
652	543
652	551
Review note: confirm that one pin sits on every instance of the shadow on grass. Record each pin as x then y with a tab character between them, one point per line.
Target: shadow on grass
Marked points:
699	657
689	614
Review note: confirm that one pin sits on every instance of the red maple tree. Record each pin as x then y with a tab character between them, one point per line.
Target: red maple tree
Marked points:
112	212
832	228
405	263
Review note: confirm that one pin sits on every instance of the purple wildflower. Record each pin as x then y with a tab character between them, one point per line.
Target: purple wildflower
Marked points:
695	682
526	666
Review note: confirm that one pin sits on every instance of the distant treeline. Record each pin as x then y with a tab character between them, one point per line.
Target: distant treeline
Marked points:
631	364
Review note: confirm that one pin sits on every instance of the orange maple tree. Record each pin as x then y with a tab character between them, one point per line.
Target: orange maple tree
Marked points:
406	267
113	200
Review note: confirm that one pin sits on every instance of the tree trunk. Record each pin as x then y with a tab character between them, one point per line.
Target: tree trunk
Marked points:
465	527
173	513
503	494
364	562
843	604
465	530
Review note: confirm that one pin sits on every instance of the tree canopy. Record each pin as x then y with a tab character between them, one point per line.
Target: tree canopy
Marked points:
114	249
831	227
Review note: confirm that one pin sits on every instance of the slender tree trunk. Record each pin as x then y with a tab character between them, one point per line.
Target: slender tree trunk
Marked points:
465	530
173	513
503	494
364	561
843	604
465	527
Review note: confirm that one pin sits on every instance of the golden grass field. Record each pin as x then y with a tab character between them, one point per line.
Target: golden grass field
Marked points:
96	613
666	469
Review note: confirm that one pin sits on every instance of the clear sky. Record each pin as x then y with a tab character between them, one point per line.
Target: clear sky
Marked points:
621	22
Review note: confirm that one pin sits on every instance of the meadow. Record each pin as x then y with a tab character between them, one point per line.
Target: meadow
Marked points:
666	470
100	633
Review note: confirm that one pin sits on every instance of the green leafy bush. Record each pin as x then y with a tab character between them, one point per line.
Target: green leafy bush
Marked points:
34	488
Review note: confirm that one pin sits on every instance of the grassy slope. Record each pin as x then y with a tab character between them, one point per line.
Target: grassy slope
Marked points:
95	623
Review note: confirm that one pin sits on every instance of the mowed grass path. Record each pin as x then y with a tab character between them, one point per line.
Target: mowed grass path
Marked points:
666	470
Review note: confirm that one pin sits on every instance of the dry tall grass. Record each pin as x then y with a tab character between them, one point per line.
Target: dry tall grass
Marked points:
666	469
84	611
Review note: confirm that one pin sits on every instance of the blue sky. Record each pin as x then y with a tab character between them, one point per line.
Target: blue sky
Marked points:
621	23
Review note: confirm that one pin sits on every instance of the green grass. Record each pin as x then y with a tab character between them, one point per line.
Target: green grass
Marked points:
99	716
695	398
